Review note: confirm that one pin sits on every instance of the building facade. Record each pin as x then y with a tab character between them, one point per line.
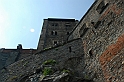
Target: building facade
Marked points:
55	32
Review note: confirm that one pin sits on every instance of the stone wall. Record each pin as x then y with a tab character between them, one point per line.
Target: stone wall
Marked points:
7	58
72	49
55	32
103	39
97	55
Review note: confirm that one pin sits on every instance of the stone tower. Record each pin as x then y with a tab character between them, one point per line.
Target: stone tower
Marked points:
55	32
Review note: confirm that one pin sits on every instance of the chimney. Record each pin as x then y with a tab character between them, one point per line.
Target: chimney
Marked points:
19	46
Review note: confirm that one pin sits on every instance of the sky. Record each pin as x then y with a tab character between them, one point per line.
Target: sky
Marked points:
21	20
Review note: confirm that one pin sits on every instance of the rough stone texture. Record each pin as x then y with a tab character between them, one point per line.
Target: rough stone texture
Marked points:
97	55
103	41
7	58
55	32
30	64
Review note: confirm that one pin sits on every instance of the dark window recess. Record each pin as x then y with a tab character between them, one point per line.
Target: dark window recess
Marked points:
84	32
55	42
54	24
53	33
101	7
91	53
97	24
67	33
82	29
110	23
92	23
68	25
70	50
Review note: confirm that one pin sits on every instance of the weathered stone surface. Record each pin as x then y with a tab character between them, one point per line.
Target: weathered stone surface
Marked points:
97	55
7	58
31	63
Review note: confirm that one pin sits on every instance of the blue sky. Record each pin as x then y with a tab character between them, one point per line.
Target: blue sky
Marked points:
21	20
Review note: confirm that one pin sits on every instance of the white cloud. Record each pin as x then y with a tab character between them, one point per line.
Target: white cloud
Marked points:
32	30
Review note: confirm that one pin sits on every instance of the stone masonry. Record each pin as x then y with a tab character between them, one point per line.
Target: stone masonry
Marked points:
95	47
55	32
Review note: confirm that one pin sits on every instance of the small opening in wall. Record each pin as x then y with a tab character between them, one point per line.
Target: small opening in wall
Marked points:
67	33
52	32
55	33
70	50
55	42
101	7
110	23
91	53
97	24
92	23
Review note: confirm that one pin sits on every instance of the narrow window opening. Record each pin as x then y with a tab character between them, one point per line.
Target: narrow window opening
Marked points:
70	50
83	30
101	7
97	24
110	23
55	33
67	25
55	42
92	23
90	53
52	32
54	24
67	33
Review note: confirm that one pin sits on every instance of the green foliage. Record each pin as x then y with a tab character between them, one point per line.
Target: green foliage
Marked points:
47	48
86	77
25	63
3	70
12	78
56	49
65	71
47	71
49	62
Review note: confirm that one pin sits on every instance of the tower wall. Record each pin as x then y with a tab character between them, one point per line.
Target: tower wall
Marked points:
55	32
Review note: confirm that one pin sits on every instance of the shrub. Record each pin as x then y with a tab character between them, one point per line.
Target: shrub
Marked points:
65	71
12	78
47	71
49	62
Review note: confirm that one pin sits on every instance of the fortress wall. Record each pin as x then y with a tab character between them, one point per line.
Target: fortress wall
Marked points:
104	42
99	52
30	64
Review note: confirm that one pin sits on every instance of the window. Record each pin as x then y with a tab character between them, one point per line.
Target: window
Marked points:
83	30
54	24
68	25
97	24
70	49
53	32
101	7
67	33
55	42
